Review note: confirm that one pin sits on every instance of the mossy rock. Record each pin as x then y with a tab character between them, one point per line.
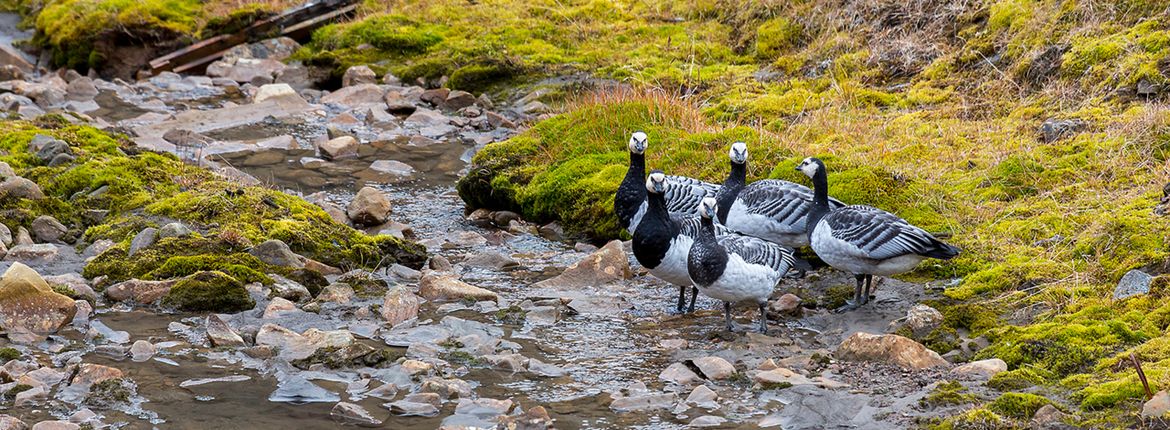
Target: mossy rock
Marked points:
312	280
948	393
8	354
210	291
1018	405
1016	379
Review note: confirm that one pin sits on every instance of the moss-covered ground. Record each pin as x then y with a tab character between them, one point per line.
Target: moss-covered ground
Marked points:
112	191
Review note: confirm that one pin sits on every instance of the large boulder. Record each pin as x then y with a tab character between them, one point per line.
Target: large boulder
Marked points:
444	286
604	266
29	305
369	207
888	348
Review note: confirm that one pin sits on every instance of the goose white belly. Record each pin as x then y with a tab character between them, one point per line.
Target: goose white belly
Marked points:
848	257
673	268
756	225
637	219
742	281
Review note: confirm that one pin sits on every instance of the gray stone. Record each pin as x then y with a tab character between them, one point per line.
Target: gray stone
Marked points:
20	188
679	373
1134	283
1158	406
141	351
39	253
399	304
708	421
356	95
358	75
352	414
48	229
435	96
143	239
338	148
221	334
144	292
5	235
491	260
392	168
459	99
427	118
982	369
369	207
174	229
23	237
715	368
1053	129
9	422
277	253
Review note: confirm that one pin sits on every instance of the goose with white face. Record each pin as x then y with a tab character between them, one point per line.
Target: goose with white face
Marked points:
638	142
809	167
738	153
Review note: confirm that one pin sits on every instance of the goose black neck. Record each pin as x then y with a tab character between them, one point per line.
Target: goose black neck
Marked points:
821	206
734	183
707	232
637	171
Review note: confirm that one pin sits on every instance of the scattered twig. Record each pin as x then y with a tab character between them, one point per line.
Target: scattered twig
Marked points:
1141	375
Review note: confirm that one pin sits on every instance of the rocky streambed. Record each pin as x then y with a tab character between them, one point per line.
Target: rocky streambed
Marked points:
508	324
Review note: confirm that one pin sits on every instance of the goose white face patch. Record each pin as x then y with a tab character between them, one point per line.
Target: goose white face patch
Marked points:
808	167
656	182
707	207
738	153
638	142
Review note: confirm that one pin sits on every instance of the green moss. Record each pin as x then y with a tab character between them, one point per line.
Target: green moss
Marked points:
8	354
109	393
478	77
236	20
511	315
211	291
1016	379
365	284
975	419
948	393
1018	405
836	296
776	36
243	267
17	389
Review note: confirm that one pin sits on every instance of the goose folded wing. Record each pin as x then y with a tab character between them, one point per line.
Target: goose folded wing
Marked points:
879	234
759	251
683	194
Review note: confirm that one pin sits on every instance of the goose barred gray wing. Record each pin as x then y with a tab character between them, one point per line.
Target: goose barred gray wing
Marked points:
691	226
758	251
780	200
683	194
882	235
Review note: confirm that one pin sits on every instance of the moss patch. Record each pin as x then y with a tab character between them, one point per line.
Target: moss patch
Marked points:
211	291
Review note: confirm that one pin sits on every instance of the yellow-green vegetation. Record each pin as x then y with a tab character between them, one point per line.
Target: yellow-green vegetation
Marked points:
1018	405
83	33
9	354
931	110
212	291
949	393
133	190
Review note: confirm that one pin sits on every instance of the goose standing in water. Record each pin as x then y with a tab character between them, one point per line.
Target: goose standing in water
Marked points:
863	240
663	241
735	268
682	194
770	209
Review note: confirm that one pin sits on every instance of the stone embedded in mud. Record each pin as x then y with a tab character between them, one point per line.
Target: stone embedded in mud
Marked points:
458	100
644	402
20	188
277	253
399	304
351	414
605	266
679	373
356	96
920	320
296	389
408	408
221	334
338	148
508	362
982	369
541	368
29	305
888	348
442	287
392	168
48	229
144	292
703	397
141	351
274	91
369	207
358	75
449	388
39	253
715	368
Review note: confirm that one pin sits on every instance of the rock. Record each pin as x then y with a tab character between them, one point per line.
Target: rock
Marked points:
352	414
141	351
1134	283
1053	129
55	425
52	149
920	320
41	253
209	291
508	362
679	373
289	290
408	408
32	396
491	260
23	237
29	305
358	75
439	263
48	229
369	207
293	346
1050	418
644	402
174	229
221	334
247	70
673	344
608	265
81	89
788	304
458	100
708	421
552	231
703	397
427	118
398	104
715	368
1158	406
356	95
888	348
5	235
72	281
89	374
9	422
435	96
443	287
399	305
276	307
336	293
496	120
277	253
392	168
143	239
338	148
274	91
143	292
20	188
982	369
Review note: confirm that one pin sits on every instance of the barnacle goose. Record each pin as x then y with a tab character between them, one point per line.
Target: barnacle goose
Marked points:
682	194
663	241
863	240
735	268
770	209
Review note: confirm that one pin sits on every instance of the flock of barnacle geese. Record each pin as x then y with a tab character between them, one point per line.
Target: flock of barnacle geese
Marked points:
734	242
